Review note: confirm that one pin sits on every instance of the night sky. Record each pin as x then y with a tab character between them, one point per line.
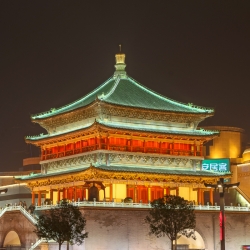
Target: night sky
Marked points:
54	52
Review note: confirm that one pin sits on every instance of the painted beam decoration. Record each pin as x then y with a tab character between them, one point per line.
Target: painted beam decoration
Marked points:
216	165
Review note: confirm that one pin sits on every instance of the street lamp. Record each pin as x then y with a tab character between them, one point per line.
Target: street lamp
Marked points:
221	186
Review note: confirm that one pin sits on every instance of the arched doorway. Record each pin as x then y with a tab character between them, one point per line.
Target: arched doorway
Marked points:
12	239
93	193
193	244
93	190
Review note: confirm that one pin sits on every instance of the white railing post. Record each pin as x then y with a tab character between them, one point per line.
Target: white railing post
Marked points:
36	244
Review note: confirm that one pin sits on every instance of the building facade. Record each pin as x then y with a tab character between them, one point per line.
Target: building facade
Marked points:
121	140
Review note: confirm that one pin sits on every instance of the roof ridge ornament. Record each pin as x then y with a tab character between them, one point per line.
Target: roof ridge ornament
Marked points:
120	64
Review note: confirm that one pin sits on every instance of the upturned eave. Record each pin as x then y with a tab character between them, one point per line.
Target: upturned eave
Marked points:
101	173
98	128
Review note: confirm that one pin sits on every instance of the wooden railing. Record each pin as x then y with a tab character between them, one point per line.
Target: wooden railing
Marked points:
125	148
143	205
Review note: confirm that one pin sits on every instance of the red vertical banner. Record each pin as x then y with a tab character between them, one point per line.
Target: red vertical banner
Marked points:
222	228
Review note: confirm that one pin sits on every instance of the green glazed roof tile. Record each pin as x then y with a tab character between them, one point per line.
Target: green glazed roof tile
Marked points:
84	101
136	127
162	170
40	175
127	92
136	169
196	132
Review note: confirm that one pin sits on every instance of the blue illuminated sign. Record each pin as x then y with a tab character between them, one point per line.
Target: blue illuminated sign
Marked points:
216	165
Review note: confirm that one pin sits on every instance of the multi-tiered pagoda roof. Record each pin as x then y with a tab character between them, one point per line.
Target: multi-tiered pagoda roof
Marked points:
127	92
158	136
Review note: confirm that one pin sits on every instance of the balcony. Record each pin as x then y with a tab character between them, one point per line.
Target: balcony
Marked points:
141	205
124	148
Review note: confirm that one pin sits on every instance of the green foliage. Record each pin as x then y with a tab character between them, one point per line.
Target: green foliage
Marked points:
171	216
62	223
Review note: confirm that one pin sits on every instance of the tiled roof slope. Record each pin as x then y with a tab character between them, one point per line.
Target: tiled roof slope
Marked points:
130	93
161	170
196	132
129	169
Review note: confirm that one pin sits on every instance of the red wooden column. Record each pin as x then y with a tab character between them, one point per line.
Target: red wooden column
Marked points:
45	153
39	198
66	193
211	196
111	192
149	193
63	193
42	154
199	196
131	145
172	148
135	194
99	142
202	197
177	191
83	193
195	149
75	193
95	142
33	198
51	195
127	190
138	193
107	142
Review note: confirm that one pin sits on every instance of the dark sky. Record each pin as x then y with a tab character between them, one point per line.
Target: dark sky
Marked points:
54	52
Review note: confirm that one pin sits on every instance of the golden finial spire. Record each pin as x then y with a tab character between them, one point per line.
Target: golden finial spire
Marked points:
120	63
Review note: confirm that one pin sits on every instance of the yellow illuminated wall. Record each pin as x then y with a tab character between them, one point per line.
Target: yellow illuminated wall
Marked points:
188	194
246	156
119	192
54	196
101	195
229	144
243	174
107	193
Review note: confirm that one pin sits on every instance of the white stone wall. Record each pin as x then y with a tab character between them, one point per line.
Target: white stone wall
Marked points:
120	230
125	229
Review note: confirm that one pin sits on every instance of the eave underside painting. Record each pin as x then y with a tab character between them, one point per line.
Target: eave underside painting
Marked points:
103	110
97	174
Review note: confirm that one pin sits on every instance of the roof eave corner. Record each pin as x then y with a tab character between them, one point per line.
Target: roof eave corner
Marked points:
28	141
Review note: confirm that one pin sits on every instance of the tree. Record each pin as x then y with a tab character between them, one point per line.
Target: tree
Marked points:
172	216
62	223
